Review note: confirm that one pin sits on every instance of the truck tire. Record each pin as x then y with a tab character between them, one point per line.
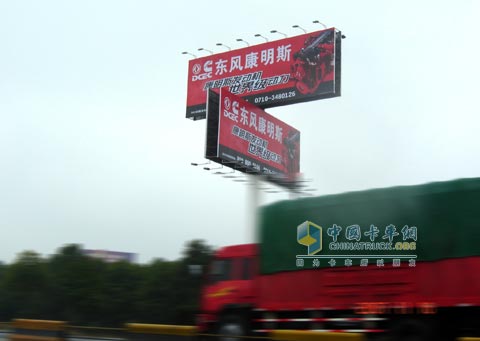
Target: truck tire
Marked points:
231	327
412	330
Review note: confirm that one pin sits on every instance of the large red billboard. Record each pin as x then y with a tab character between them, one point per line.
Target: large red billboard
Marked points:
285	71
245	137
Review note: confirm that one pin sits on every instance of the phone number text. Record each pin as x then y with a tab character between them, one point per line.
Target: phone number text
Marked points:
275	97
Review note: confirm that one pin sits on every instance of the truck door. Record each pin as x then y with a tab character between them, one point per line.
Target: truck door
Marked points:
243	276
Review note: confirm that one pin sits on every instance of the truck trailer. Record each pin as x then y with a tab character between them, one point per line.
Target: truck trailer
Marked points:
400	262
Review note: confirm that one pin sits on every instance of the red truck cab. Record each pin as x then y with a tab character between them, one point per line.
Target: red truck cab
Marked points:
229	292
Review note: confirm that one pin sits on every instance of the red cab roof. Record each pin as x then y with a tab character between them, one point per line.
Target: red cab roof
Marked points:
243	250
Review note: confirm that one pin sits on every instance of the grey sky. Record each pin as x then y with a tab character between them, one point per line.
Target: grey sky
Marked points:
95	148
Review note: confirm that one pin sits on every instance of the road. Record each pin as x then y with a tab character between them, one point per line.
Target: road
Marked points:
4	337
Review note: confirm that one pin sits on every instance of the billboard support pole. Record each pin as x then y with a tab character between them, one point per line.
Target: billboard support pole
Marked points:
253	202
292	195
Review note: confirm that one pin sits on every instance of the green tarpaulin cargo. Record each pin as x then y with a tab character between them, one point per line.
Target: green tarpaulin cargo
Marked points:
425	223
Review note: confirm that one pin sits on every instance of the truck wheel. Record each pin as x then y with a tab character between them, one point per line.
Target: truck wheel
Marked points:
412	330
233	326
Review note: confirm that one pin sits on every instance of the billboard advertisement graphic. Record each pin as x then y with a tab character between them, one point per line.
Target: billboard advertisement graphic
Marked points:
245	137
286	71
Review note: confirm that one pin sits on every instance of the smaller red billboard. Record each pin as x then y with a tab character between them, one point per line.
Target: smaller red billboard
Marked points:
249	139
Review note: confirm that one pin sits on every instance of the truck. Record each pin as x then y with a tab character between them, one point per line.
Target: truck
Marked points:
401	263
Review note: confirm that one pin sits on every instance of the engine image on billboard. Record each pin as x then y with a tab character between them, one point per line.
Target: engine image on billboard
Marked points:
245	137
291	70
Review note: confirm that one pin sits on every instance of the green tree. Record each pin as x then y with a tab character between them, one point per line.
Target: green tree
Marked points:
155	299
122	281
84	291
25	285
5	314
79	285
188	284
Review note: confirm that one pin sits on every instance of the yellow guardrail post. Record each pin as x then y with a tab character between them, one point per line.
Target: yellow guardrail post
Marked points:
141	331
306	335
38	330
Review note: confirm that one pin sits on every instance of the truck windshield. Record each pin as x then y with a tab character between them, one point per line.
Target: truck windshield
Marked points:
220	270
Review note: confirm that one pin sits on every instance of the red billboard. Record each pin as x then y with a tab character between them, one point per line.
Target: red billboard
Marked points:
285	71
245	137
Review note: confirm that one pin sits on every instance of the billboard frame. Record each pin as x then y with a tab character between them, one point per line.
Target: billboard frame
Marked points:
203	71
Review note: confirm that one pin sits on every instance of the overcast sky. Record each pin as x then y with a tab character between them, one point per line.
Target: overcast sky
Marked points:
95	148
